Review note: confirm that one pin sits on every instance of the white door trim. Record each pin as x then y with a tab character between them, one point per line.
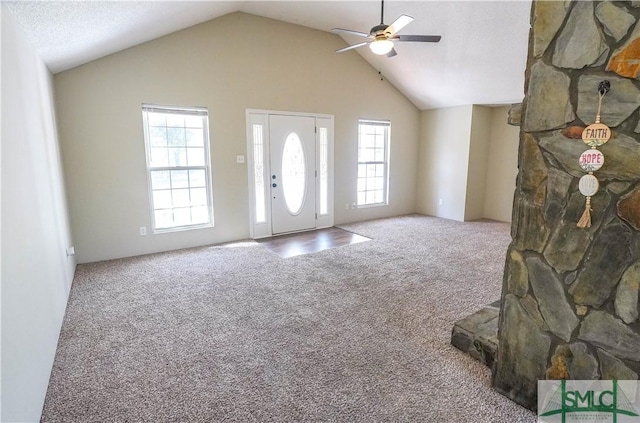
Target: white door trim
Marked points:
260	214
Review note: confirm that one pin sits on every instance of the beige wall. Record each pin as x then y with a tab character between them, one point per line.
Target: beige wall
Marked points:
443	162
478	154
502	166
235	62
36	272
468	162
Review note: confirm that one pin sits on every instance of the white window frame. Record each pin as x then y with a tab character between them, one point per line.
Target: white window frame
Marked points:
184	111
385	162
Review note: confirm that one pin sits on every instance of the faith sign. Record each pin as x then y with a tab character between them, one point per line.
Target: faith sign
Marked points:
596	134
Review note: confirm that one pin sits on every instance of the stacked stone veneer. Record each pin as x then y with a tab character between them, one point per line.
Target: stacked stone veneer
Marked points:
570	295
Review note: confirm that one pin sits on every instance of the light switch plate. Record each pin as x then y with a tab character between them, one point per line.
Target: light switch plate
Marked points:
240	159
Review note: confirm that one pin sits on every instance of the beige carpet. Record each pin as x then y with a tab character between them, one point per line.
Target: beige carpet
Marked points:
358	333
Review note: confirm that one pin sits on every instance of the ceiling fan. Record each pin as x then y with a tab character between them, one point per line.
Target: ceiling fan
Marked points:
381	37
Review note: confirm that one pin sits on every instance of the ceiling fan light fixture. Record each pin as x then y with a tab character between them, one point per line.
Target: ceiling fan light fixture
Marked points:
381	47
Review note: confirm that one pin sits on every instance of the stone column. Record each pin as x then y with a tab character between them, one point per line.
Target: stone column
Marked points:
570	295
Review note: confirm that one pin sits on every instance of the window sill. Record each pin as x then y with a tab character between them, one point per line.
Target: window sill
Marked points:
182	228
367	206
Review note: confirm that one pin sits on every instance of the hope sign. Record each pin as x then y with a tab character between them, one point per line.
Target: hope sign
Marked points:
591	160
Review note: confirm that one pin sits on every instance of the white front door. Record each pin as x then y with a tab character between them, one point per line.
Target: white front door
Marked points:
293	173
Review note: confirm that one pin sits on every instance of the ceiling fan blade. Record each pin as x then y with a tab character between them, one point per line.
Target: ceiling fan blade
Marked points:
352	47
398	24
349	31
392	53
418	38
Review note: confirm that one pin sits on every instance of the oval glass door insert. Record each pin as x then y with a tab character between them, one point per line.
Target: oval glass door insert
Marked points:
293	173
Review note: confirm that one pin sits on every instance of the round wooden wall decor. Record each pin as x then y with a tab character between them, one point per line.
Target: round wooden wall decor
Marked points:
596	134
591	160
588	185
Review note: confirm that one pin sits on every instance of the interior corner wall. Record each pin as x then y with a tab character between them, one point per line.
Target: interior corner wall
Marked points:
261	64
443	162
479	141
36	272
502	166
467	163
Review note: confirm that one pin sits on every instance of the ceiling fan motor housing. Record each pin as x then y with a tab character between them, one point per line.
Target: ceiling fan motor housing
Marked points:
378	30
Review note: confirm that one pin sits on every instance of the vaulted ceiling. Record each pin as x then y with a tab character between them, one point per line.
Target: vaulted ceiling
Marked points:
480	60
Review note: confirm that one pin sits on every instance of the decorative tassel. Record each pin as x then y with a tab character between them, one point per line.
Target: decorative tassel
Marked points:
585	220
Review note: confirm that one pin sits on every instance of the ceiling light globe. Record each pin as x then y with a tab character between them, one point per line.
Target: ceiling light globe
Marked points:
381	47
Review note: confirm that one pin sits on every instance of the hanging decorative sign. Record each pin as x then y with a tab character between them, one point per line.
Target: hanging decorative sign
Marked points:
588	185
591	160
596	134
